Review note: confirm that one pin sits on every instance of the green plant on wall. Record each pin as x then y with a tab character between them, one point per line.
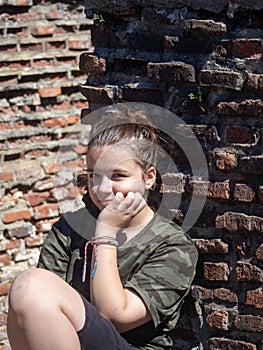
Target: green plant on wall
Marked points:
198	96
97	17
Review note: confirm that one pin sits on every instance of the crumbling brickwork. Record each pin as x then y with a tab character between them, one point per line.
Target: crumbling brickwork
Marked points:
200	59
40	104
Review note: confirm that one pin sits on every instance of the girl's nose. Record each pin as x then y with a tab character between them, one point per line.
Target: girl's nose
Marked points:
105	185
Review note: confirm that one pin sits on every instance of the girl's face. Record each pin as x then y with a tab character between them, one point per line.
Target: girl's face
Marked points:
114	169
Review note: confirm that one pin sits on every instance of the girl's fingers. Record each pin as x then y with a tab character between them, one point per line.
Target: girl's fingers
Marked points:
132	202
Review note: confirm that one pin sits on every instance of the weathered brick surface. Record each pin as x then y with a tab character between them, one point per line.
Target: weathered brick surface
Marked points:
171	72
227	344
218	319
200	59
216	271
249	323
239	222
255	298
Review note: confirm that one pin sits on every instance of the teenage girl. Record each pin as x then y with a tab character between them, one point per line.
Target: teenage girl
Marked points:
117	281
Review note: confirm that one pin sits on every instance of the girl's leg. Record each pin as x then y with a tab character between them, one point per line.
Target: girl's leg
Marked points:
44	312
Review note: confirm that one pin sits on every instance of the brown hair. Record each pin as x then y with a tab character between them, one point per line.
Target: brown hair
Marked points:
130	130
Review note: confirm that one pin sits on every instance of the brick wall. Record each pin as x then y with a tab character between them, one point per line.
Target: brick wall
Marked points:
41	141
202	61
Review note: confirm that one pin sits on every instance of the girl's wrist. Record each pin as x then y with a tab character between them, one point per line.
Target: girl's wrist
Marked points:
105	230
105	240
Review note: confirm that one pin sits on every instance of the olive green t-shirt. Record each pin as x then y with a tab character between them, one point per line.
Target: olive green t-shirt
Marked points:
158	264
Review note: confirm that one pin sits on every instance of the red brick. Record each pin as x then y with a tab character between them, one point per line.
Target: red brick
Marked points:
97	94
216	271
239	222
205	25
36	198
171	72
9	80
43	62
54	122
243	48
226	161
247	272
81	149
55	45
230	344
73	119
6	126
221	78
225	295
20	2
45	225
31	47
202	293
259	252
74	164
44	185
46	211
5	259
41	138
9	245
80	104
205	133
78	44
90	64
33	242
252	165
13	216
206	246
6	176
4	288
244	193
62	193
249	323
255	298
52	168
54	14
19	232
218	320
245	109
172	183
46	92
255	81
241	135
219	190
3	319
42	30
25	171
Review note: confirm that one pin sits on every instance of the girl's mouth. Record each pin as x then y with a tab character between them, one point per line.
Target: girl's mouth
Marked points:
105	202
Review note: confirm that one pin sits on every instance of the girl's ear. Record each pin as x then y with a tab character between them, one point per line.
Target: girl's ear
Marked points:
150	177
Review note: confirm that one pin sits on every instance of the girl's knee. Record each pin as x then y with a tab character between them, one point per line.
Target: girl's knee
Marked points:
28	286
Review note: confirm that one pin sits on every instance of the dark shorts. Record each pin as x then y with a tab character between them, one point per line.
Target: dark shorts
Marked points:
98	333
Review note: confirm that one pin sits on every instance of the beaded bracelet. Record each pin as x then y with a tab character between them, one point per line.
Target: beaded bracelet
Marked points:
105	240
95	242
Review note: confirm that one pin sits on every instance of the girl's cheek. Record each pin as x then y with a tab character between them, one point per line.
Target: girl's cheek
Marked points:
137	186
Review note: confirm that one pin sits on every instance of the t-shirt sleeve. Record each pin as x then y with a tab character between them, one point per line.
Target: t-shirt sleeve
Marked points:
165	279
54	255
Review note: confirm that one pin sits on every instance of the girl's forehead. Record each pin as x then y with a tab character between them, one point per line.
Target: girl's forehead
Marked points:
109	155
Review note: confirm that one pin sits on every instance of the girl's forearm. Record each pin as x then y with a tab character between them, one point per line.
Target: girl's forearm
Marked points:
107	292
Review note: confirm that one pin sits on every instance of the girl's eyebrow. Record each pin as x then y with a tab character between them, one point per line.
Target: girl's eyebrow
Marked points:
87	170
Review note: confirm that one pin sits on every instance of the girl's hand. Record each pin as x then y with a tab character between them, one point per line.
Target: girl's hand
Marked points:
119	212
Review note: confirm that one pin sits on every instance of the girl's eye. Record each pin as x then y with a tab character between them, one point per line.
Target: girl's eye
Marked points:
93	175
118	176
